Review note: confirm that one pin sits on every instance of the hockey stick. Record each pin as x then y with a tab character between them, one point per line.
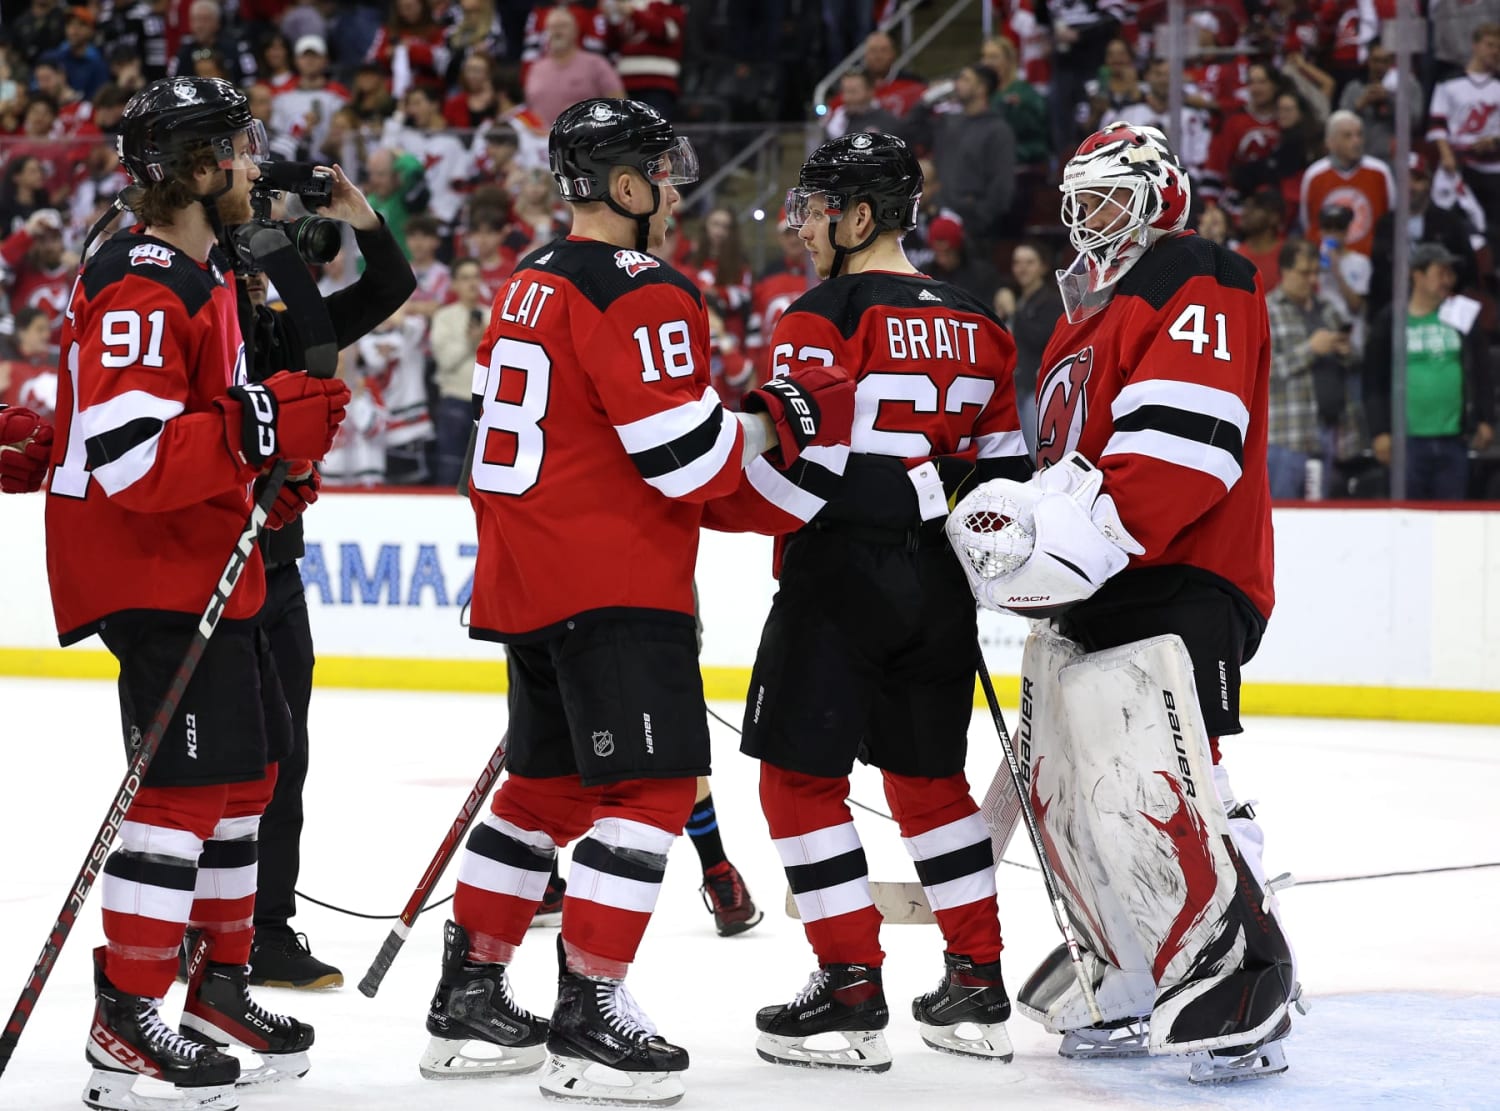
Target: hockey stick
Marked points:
435	868
1059	909
136	774
900	903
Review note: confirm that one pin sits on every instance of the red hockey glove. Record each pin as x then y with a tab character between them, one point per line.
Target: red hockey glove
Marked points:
290	415
814	406
25	449
298	492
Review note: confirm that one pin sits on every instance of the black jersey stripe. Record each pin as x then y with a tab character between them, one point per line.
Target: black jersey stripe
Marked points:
1186	425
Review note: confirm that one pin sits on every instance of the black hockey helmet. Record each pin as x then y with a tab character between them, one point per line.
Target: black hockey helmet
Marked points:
593	136
878	169
169	120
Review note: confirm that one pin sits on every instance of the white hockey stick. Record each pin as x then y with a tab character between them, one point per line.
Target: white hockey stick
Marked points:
900	904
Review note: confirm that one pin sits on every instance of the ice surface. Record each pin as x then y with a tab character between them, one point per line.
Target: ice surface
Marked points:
1403	974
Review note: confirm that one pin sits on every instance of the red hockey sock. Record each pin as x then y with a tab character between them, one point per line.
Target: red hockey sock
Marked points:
948	840
224	895
825	864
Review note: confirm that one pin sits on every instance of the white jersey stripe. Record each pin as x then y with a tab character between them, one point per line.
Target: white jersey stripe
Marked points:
662	428
1002	445
972	888
225	883
501	879
829	902
959	834
781	491
701	470
116	412
820	844
1189	396
1197	456
164	904
149	840
609	890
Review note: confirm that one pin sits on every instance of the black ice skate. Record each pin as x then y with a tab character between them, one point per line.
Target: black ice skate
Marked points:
966	1012
220	1012
728	899
604	1049
476	1025
280	958
844	999
128	1040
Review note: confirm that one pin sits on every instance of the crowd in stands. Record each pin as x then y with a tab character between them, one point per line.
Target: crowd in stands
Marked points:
440	108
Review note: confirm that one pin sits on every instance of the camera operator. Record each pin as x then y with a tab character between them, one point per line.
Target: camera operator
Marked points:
280	957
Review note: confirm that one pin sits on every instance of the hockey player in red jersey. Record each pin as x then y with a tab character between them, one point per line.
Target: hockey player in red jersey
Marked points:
599	437
869	649
158	441
1146	540
25	448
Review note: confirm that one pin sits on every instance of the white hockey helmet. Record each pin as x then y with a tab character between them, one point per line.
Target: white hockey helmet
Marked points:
1129	171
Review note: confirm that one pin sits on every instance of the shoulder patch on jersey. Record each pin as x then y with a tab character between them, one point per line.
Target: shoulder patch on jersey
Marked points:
134	256
845	299
604	273
633	262
1164	270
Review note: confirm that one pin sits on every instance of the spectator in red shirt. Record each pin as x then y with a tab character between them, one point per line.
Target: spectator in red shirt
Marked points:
486	238
474	103
28	364
647	37
412	47
1245	137
896	90
1261	222
41	271
717	264
566	74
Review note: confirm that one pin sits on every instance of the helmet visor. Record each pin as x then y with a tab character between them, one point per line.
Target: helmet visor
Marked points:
256	146
803	204
677	165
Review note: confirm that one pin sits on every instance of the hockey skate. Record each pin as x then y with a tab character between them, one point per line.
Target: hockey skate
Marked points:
966	1012
220	1012
725	895
1224	1066
1052	997
843	1000
476	1026
604	1049
129	1040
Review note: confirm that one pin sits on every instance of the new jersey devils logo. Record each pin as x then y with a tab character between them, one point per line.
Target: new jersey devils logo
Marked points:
1062	409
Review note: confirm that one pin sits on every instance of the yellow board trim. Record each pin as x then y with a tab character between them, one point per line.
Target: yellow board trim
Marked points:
729	684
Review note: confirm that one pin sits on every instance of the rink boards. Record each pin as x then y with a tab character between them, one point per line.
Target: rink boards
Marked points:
1382	612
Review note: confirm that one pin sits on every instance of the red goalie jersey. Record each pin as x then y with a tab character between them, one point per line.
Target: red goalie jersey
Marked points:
1166	391
600	435
145	500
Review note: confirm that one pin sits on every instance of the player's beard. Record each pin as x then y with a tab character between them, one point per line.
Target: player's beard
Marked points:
234	206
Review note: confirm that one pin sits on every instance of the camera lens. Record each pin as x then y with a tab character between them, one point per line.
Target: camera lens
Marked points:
317	239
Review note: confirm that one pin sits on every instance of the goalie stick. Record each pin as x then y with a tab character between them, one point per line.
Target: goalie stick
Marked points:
1059	908
124	796
435	868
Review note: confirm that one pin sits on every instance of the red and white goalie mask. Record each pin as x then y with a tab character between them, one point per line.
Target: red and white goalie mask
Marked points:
1122	191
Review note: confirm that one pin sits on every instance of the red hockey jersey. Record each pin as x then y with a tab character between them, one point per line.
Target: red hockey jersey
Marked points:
145	501
600	436
1166	391
934	373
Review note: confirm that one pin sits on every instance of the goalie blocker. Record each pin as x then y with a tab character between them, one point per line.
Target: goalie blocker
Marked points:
1192	941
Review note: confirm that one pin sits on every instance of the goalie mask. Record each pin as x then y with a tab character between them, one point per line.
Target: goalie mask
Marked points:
1122	191
880	170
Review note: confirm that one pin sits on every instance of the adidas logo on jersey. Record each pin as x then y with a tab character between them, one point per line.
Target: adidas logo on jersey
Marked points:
928	295
150	254
544	260
634	262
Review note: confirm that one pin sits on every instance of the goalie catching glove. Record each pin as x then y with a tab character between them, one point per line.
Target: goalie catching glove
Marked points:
1034	548
292	415
815	406
25	449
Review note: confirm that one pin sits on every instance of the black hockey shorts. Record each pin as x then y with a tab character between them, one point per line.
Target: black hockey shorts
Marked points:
1213	625
868	653
611	699
231	721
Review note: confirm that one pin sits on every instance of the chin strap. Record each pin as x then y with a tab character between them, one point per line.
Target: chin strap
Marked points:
642	219
841	253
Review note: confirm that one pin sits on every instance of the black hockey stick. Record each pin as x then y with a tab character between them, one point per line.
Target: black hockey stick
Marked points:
136	774
1059	908
435	868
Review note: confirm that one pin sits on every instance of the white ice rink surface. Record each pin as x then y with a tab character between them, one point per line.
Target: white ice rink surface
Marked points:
1403	975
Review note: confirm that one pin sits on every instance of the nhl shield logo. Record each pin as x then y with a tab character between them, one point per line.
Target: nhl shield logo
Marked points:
861	141
604	743
635	262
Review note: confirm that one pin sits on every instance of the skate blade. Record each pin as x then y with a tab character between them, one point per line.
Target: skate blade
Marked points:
446	1059
740	927
988	1040
1116	1044
274	1068
1267	1060
108	1090
863	1051
572	1080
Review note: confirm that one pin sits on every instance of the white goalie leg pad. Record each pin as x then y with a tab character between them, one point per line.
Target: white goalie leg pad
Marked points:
1158	841
1044	743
